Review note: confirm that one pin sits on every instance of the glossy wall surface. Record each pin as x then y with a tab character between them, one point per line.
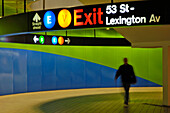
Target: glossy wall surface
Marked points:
28	70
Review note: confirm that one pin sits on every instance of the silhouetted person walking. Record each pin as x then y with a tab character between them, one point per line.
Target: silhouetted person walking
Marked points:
127	77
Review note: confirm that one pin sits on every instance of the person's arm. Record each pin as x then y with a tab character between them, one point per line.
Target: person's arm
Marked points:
118	73
133	75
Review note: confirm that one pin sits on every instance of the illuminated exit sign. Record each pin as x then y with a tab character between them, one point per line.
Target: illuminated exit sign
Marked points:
102	15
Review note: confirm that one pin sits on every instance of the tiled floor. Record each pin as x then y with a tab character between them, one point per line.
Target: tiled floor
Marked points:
102	100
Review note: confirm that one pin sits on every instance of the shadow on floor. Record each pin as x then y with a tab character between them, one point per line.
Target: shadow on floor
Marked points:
104	103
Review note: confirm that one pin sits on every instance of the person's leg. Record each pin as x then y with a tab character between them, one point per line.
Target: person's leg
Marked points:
126	88
127	92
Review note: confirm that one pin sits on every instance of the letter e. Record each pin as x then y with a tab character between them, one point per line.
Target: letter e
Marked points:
49	20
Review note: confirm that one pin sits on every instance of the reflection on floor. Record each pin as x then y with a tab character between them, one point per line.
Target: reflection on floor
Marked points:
102	100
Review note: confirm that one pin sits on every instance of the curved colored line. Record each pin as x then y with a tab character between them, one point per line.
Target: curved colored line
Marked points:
92	54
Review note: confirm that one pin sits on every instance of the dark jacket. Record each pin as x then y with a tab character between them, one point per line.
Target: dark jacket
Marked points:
127	74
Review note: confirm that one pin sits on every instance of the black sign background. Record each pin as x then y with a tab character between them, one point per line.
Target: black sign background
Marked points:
74	41
22	23
142	9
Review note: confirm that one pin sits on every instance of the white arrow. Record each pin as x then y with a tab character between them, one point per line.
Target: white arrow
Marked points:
35	39
68	40
36	18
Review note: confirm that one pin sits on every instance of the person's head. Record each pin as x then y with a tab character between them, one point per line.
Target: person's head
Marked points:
125	60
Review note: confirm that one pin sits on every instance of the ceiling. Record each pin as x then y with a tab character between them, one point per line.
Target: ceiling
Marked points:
147	36
50	4
17	6
12	7
89	2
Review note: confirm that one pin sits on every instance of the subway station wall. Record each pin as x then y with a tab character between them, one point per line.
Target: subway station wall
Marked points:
29	68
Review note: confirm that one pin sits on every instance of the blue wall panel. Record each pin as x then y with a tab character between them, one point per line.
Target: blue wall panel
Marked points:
27	71
144	83
20	71
78	73
48	72
34	71
6	71
108	75
63	71
93	75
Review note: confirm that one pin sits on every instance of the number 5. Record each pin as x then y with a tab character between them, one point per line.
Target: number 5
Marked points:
111	9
